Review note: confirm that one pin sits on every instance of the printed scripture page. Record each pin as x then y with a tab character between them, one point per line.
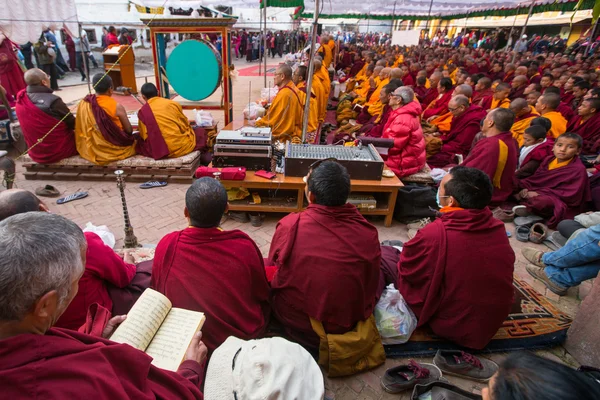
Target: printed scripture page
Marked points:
170	343
143	320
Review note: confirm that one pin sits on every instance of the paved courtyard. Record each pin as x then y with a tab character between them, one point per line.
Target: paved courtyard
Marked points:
156	212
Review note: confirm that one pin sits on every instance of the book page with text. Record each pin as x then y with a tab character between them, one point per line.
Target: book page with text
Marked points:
170	343
143	320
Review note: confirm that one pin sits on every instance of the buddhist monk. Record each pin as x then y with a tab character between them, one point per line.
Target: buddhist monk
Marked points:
524	114
43	258
546	106
165	131
439	106
509	73
536	148
563	109
496	153
532	98
443	123
483	89
546	82
103	267
323	74
321	95
373	107
44	116
466	119
299	79
587	125
102	129
325	51
559	188
432	92
420	88
311	280
407	79
499	99
466	241
518	84
194	269
580	89
376	129
284	117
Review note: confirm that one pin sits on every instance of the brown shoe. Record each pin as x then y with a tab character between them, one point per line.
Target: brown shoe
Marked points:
459	363
540	274
538	233
534	256
503	215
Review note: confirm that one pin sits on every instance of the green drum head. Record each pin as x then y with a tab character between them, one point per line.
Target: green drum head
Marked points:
194	69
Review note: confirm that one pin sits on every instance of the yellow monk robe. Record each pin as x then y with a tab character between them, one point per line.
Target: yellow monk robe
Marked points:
398	61
375	105
362	74
554	164
285	114
325	52
427	83
522	123
499	104
90	142
443	122
452	75
313	115
323	74
363	91
319	90
174	126
559	123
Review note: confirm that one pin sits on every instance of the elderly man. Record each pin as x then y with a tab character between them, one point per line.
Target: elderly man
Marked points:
102	129
165	131
376	129
524	114
466	241
325	51
285	114
546	106
442	123
44	116
185	271
518	84
587	125
466	119
496	154
312	282
43	258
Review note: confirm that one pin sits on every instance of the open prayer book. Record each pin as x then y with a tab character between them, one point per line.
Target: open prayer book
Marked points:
159	330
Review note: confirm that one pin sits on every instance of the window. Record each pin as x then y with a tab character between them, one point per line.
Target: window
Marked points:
91	34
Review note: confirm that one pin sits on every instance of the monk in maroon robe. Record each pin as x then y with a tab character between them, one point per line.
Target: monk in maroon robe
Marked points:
327	259
11	74
587	125
456	273
560	187
37	360
439	106
432	93
496	153
466	120
45	116
220	273
536	148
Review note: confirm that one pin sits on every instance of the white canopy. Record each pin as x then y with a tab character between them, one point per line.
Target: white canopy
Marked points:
23	21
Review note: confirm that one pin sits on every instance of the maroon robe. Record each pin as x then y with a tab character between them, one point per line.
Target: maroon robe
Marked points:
420	92
508	78
107	127
517	93
534	159
456	276
408	80
356	67
328	268
458	141
472	70
429	96
485	155
376	130
567	97
498	76
154	146
440	107
562	191
35	124
11	74
478	96
220	273
566	111
65	364
589	132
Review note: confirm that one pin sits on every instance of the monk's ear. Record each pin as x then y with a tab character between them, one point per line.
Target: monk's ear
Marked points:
46	306
186	213
43	207
226	208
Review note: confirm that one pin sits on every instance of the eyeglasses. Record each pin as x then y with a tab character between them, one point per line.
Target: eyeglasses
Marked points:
315	165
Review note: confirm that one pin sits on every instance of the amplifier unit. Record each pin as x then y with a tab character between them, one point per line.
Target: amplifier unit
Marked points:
250	163
237	137
246	150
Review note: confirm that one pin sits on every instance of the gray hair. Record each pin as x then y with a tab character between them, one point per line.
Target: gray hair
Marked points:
465	90
41	252
405	93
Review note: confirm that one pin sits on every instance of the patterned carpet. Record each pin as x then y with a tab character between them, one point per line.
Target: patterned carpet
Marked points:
533	323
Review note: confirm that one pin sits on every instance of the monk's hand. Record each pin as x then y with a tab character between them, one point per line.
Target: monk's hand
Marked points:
197	350
112	324
128	256
531	195
431	118
522	194
597	160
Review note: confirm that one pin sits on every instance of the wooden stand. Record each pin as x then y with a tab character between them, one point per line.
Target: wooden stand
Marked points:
122	71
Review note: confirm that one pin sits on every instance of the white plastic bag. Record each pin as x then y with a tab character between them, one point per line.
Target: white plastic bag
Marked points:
105	234
203	118
253	111
395	321
269	93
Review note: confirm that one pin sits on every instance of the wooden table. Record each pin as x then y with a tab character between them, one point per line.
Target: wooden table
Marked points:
286	194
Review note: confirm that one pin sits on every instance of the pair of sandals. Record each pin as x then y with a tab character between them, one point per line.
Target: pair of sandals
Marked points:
51	191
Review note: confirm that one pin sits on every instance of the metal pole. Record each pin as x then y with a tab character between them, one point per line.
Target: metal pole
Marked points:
265	46
512	27
260	24
426	30
311	69
524	28
591	38
84	59
393	17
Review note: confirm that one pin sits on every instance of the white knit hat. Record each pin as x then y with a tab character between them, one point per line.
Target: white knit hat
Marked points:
264	369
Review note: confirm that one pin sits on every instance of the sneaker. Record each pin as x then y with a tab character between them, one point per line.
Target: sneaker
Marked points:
503	215
412	233
534	256
538	233
459	363
521	211
405	377
539	274
419	224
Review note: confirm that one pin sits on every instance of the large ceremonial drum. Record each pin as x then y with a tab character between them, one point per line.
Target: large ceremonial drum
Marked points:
194	69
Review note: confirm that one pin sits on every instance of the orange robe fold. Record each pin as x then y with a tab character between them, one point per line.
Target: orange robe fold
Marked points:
522	123
559	124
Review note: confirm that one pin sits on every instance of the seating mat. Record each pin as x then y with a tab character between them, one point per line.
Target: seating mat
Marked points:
423	176
533	323
135	161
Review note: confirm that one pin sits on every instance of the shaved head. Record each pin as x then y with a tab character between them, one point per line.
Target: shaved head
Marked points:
286	70
35	76
518	105
520	79
385	73
378	70
318	64
396	73
460	100
464	90
17	201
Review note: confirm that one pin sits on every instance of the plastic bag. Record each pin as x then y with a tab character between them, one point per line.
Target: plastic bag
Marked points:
395	321
105	234
254	111
203	118
269	93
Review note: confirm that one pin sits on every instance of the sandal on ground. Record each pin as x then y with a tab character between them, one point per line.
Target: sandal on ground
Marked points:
47	191
71	197
152	184
522	233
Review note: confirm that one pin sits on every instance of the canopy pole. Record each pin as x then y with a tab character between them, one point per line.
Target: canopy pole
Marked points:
426	30
512	28
84	59
265	51
524	28
393	19
311	69
591	38
260	24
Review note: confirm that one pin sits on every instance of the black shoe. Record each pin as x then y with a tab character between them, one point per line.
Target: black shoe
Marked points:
83	79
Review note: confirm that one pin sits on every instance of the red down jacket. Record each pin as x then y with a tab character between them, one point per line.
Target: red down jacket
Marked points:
407	157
